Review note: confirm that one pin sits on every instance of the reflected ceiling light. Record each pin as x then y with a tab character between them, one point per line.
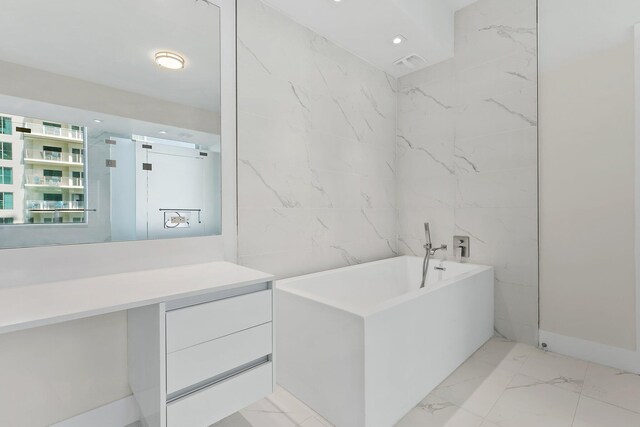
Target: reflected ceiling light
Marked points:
97	120
163	132
169	60
398	39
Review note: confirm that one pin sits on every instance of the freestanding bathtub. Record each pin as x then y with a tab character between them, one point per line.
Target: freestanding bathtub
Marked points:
362	345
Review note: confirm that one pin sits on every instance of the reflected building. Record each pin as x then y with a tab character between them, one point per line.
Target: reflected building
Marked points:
41	170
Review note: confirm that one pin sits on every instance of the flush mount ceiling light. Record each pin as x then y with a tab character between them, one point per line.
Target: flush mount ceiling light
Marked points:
398	39
169	60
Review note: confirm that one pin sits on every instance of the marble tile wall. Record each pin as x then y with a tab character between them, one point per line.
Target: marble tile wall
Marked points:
316	149
322	183
467	154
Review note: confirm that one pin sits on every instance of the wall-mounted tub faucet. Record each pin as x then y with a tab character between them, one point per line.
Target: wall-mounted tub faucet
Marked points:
462	243
429	252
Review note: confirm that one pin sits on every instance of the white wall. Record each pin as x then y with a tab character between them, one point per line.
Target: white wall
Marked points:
54	372
467	160
587	170
316	149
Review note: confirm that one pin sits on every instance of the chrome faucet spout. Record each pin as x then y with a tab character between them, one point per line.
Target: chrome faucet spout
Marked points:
429	252
432	251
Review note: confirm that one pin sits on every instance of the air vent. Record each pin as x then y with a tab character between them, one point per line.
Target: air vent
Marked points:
411	62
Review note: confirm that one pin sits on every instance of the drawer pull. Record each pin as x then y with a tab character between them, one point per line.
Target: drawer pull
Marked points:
209	359
185	392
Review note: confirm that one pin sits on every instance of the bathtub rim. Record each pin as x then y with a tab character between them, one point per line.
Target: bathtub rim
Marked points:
288	285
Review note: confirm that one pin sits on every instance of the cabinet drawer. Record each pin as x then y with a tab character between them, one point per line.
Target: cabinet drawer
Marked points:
198	363
205	322
209	405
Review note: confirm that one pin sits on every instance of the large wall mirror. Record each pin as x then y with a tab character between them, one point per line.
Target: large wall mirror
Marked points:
109	121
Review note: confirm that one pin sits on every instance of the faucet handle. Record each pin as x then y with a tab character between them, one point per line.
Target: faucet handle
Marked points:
462	243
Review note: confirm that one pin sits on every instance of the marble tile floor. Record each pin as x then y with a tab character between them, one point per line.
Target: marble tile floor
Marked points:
504	384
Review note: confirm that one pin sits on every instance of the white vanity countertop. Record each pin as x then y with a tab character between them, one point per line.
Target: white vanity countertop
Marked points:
24	307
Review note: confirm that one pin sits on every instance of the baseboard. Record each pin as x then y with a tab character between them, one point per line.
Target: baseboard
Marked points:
115	414
603	354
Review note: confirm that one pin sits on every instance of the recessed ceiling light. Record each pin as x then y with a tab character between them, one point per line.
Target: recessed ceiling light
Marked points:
97	120
169	60
337	1
163	132
397	39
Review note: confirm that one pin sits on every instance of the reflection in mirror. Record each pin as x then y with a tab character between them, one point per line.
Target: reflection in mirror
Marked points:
116	136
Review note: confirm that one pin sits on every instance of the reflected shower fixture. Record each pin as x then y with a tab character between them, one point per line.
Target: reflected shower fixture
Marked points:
169	60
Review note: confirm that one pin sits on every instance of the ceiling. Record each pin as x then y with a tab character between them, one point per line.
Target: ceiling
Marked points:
113	43
110	124
366	28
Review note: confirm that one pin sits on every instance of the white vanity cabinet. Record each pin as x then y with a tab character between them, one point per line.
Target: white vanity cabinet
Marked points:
200	337
196	360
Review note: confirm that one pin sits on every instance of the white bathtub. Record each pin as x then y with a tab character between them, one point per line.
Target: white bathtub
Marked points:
362	345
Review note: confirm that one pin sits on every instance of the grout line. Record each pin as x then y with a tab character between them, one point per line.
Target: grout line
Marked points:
575	411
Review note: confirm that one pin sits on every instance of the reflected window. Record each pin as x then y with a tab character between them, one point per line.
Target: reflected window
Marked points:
6	200
6	175
6	151
6	126
49	197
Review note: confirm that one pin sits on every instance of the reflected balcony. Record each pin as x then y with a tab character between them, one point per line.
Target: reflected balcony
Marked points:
34	180
53	206
41	130
53	157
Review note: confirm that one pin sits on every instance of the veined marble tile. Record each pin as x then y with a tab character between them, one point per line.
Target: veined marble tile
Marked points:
496	114
419	189
593	413
278	100
233	420
283	264
419	157
517	302
265	413
422	128
495	39
613	386
436	73
518	13
512	188
273	230
553	369
265	185
336	226
429	98
328	189
411	226
526	402
505	354
507	150
495	226
496	77
526	333
434	411
475	386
